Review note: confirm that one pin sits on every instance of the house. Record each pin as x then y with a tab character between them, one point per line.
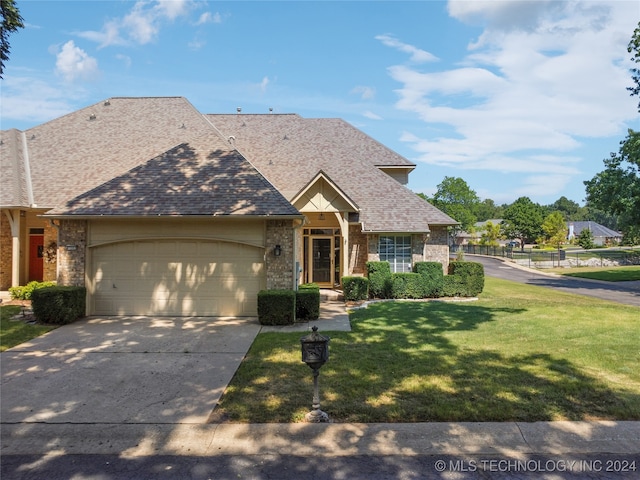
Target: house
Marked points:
161	210
601	234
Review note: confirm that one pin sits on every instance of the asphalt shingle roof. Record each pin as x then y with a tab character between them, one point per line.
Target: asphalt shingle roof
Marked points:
290	150
202	177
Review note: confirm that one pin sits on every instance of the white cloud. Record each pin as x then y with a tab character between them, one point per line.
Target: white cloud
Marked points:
417	55
372	115
541	80
142	24
208	17
366	93
73	63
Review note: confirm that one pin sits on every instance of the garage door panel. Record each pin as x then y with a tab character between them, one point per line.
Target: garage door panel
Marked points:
177	278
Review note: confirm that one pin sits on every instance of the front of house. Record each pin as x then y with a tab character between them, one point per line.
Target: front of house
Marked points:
160	210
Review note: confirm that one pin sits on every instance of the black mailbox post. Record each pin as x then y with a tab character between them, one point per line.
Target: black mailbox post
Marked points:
315	353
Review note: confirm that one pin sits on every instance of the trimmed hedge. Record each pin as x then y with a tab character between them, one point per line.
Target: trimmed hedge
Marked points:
465	279
276	307
59	305
379	274
355	288
407	285
308	301
433	278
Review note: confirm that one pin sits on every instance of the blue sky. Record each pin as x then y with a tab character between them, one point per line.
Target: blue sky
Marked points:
518	98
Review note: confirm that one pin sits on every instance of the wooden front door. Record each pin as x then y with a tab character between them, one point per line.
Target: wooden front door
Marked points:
36	257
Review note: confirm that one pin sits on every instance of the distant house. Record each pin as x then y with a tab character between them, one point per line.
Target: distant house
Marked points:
158	209
601	234
466	238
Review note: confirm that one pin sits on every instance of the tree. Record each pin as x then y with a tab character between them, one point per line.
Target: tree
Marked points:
634	48
491	234
11	22
487	209
585	239
523	220
569	209
616	190
456	199
555	229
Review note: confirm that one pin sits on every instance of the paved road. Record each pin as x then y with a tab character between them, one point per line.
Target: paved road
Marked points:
295	467
621	292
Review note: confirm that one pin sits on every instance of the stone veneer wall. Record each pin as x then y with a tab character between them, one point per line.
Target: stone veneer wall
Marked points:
6	252
50	238
358	251
437	247
72	255
279	269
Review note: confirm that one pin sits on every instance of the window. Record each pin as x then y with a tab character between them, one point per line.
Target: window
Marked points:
396	250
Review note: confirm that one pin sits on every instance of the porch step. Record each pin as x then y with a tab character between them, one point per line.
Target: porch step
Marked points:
5	296
327	294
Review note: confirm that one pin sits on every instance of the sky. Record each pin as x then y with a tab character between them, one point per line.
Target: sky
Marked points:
518	98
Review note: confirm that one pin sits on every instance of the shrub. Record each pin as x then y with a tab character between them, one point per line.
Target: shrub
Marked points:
379	274
432	277
59	305
467	279
355	288
308	301
407	285
24	292
276	307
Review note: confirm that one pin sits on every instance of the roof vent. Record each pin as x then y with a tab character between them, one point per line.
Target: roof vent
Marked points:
92	116
107	103
270	109
33	136
183	126
232	139
239	109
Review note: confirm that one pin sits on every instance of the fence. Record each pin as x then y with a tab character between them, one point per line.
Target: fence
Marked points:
556	258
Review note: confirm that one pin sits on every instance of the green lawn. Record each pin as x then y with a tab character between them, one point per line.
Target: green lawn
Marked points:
519	353
613	274
15	332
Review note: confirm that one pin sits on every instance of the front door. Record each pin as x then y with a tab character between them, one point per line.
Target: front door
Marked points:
321	260
36	255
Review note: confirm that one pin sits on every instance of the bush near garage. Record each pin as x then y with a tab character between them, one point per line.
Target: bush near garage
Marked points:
24	292
276	307
59	305
465	279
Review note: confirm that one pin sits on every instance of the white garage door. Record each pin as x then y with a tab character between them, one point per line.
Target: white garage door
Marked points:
177	278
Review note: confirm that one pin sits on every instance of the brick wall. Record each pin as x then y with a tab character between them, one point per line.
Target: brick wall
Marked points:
358	251
279	269
72	252
6	249
50	240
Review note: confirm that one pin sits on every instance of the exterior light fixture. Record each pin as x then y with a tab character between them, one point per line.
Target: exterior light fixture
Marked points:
277	251
321	217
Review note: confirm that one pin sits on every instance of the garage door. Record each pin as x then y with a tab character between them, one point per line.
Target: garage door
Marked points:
176	278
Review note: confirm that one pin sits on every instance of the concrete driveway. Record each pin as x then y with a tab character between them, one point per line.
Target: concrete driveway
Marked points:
133	370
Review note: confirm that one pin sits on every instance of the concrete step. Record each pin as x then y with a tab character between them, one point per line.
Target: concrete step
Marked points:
327	294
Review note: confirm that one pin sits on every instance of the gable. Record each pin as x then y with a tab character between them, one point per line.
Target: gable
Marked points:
323	195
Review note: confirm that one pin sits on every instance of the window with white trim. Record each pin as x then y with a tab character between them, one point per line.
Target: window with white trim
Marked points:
396	249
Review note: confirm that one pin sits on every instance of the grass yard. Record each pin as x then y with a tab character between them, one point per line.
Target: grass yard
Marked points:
613	274
15	332
519	353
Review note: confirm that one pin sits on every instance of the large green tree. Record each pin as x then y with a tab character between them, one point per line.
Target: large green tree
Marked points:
616	190
634	49
487	210
523	220
11	22
456	199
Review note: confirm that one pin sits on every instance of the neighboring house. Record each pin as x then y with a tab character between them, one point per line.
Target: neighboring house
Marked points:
160	210
601	234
